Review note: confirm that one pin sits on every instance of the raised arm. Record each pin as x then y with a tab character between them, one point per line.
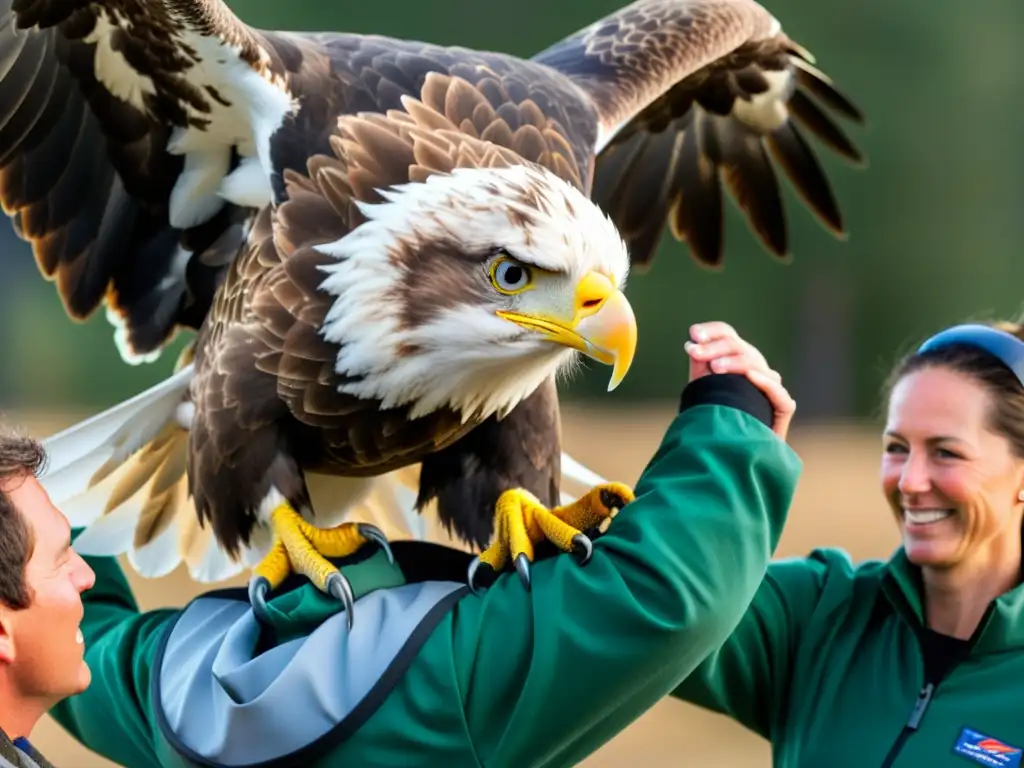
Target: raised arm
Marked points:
565	666
113	716
748	677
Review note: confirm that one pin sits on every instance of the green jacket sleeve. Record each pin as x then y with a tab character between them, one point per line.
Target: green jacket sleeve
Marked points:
120	646
549	675
747	678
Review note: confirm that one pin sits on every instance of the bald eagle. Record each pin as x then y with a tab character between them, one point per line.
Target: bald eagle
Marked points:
387	250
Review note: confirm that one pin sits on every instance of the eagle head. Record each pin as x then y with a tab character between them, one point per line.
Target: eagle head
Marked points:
467	290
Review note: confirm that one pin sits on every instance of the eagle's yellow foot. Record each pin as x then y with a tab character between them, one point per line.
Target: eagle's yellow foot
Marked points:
300	547
521	521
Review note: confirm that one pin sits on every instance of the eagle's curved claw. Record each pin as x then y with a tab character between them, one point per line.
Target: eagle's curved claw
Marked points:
523	569
474	566
375	534
582	547
258	588
301	547
521	522
338	587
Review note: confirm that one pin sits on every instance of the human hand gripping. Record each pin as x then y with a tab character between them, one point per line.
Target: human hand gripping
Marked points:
717	348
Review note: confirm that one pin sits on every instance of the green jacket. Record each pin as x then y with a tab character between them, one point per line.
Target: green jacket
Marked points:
435	674
833	664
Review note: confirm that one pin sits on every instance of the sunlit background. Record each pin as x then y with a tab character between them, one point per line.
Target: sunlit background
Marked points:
936	221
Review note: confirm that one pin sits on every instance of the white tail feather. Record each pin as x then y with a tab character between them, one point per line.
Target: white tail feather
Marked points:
87	462
159	556
575	473
110	534
75	454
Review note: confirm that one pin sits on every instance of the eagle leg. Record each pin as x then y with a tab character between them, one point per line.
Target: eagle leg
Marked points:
302	547
521	521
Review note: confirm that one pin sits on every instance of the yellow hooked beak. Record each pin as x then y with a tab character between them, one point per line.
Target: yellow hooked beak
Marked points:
603	326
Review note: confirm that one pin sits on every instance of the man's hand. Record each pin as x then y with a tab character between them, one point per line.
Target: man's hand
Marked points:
717	348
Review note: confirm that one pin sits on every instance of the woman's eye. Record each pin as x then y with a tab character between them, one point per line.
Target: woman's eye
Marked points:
510	276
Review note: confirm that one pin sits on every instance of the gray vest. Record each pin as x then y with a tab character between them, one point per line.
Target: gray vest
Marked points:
219	706
12	757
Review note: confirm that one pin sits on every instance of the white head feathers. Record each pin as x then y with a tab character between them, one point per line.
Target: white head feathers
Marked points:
415	313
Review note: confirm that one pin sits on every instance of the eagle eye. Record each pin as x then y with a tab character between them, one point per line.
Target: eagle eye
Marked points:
509	276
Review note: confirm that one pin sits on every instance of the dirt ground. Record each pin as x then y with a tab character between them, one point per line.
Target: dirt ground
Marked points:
837	504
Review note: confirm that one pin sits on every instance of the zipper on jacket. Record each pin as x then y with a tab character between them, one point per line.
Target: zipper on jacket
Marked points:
924	698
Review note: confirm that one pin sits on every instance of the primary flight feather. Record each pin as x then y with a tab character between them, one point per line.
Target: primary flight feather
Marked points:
388	249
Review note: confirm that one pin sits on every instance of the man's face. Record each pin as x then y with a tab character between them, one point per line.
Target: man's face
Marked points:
42	644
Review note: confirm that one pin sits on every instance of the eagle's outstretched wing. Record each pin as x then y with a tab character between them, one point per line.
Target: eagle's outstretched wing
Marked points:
114	144
178	121
164	113
691	94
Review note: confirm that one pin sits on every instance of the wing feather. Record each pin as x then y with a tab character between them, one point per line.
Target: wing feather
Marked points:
694	98
91	95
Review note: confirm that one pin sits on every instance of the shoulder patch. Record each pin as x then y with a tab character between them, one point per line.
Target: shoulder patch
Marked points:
986	750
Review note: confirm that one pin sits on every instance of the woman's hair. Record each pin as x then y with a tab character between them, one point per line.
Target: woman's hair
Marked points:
1007	394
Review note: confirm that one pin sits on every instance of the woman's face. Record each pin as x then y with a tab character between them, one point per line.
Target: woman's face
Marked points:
952	482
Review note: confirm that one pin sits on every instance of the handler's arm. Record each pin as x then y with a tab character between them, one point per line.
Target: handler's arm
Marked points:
550	675
113	716
748	678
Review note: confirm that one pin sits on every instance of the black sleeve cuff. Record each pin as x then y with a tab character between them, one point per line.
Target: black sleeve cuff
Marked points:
731	389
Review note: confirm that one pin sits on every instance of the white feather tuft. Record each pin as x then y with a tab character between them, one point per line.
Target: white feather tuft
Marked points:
195	198
767	111
111	68
249	107
247	185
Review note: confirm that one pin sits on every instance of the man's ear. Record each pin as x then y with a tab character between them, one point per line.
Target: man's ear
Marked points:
6	635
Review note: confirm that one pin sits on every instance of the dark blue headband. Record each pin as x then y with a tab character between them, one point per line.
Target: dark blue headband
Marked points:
1004	346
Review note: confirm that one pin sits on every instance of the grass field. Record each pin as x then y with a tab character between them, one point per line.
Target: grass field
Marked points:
837	504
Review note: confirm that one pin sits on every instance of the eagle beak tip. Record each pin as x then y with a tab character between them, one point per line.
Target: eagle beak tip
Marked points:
620	367
608	333
611	336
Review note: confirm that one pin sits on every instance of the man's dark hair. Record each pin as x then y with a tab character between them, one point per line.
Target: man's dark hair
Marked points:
19	457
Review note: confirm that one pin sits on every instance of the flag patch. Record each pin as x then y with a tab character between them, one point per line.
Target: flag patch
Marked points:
986	750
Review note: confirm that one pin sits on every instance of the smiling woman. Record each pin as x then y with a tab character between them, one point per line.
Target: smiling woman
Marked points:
916	660
953	470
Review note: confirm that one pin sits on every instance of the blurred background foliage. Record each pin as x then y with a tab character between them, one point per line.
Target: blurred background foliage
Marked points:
935	220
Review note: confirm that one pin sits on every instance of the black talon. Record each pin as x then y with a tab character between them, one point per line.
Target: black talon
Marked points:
258	588
337	586
582	547
523	569
373	533
474	565
611	500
